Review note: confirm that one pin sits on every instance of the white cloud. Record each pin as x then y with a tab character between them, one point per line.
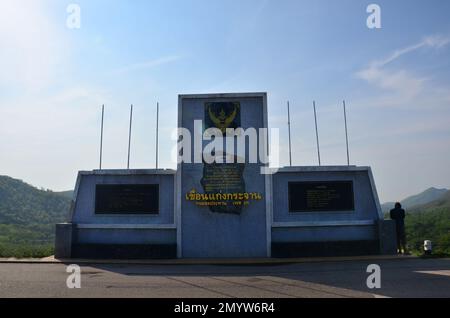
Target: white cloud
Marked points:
404	83
31	47
401	82
435	42
148	64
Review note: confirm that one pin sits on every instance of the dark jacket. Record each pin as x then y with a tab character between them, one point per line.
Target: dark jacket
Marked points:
398	214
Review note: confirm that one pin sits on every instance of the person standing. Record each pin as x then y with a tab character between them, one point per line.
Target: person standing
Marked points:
398	215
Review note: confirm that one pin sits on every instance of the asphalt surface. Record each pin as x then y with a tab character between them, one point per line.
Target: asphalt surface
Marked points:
399	278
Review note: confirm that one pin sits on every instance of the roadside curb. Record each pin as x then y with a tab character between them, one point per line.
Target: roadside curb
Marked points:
240	262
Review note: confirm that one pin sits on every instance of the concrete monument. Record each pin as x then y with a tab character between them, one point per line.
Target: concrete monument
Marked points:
234	206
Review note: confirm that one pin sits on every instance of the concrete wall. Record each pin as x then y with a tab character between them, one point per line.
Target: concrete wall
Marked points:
206	234
91	228
360	224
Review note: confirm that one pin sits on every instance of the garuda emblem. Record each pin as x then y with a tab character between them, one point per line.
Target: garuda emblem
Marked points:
222	115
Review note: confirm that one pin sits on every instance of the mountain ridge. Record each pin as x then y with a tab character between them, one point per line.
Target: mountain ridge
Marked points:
429	195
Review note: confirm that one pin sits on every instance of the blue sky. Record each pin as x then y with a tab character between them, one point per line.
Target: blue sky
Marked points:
395	80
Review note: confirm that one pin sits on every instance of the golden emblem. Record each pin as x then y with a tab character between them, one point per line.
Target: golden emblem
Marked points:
222	121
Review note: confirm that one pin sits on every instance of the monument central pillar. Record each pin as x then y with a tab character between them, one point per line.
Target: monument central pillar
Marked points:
221	208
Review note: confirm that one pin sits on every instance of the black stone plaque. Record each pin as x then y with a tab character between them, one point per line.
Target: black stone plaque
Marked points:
324	196
127	199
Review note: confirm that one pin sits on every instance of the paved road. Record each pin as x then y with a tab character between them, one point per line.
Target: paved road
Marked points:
399	278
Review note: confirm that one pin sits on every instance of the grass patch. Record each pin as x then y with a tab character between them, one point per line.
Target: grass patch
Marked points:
26	251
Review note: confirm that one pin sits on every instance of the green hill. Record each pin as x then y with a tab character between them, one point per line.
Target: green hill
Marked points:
424	197
27	218
430	221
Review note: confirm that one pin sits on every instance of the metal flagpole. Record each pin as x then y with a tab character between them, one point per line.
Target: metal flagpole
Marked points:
101	136
317	132
157	133
129	136
289	129
346	133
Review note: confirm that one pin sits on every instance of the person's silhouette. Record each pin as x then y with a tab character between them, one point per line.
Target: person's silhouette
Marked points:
398	215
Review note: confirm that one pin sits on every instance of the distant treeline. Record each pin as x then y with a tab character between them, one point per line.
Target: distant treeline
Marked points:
432	223
27	218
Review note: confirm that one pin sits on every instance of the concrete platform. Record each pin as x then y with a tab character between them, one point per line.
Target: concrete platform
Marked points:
400	277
